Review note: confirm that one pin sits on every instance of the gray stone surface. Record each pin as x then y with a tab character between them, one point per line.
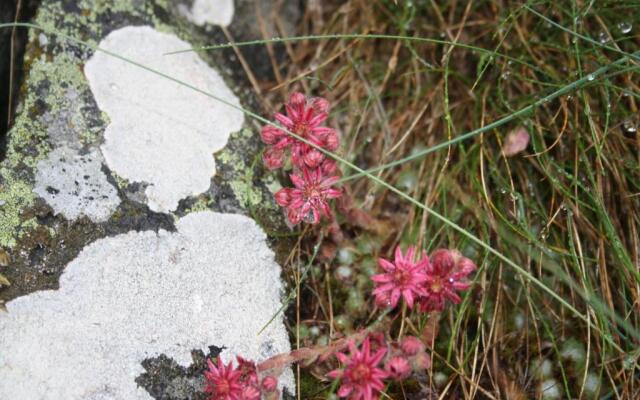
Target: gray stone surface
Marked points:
213	12
74	185
137	295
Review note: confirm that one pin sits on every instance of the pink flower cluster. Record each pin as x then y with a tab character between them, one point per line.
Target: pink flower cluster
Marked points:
225	382
429	281
365	369
313	175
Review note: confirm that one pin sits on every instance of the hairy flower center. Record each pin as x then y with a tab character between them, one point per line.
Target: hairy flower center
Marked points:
312	192
223	387
437	286
401	277
301	128
361	373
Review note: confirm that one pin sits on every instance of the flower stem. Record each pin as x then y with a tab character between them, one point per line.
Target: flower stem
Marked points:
402	317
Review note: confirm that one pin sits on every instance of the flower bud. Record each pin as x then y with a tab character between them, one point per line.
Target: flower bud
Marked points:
297	99
443	258
411	345
320	105
398	368
313	158
421	361
269	384
329	167
332	141
462	263
273	159
270	134
283	197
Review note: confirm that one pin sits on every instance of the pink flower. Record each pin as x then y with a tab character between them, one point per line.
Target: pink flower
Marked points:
403	277
308	199
411	345
223	382
304	118
446	275
273	158
398	368
250	393
361	378
248	373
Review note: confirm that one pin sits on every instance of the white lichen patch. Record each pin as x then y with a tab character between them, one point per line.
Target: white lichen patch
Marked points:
74	185
213	12
161	132
138	295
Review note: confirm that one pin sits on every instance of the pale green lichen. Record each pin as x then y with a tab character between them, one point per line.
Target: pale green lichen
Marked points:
240	178
15	196
52	82
95	7
30	132
201	204
272	184
122	183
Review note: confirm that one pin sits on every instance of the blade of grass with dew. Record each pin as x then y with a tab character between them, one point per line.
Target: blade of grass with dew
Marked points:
577	84
355	36
634	56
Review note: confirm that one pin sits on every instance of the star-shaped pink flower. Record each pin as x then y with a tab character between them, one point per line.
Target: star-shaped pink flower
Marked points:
304	118
402	278
308	199
361	379
446	276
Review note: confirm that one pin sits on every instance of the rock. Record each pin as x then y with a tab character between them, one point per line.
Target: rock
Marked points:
16	40
214	12
112	202
254	21
74	185
246	20
160	132
138	295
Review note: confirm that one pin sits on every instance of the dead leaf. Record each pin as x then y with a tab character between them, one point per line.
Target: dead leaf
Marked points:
516	141
4	281
4	258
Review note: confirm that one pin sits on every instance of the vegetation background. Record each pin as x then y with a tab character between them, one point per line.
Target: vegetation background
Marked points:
554	229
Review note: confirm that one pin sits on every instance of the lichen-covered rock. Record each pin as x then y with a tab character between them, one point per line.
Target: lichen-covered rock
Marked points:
103	156
74	185
138	295
160	132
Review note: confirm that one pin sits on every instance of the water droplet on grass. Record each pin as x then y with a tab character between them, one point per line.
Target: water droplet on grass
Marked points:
628	127
603	38
591	77
625	27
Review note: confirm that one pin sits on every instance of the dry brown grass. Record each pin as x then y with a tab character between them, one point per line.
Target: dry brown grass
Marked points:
565	210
